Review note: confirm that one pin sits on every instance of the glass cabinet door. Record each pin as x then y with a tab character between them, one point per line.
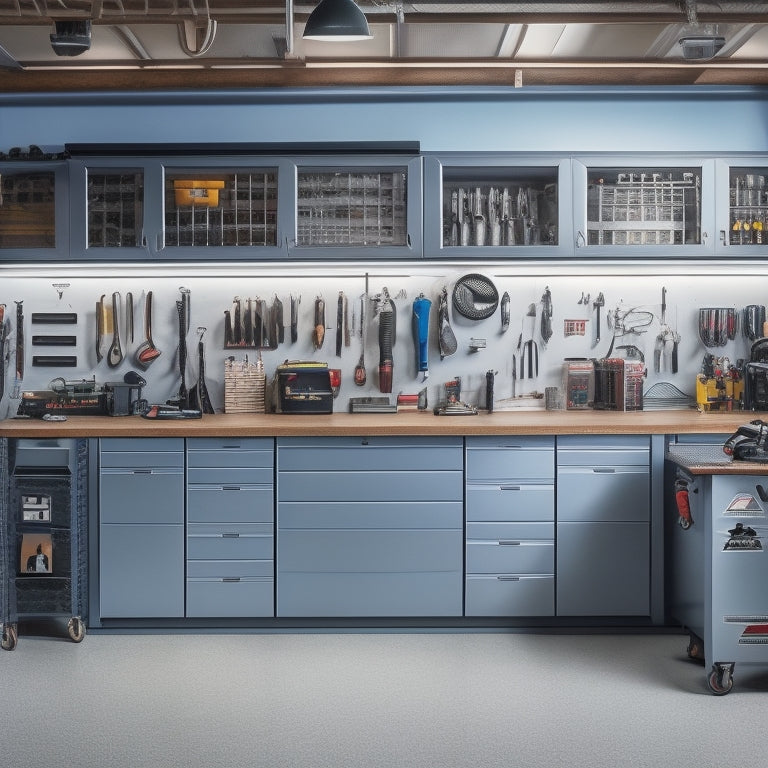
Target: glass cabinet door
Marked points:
115	208
622	208
489	206
363	207
742	206
33	212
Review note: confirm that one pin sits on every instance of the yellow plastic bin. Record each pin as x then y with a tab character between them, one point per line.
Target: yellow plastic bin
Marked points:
197	191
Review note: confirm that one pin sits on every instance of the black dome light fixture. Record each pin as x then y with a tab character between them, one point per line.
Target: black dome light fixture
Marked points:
337	21
71	38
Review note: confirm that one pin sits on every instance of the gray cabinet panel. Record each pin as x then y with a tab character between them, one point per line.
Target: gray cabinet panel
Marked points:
230	598
515	530
142	445
370	514
360	486
141	571
235	475
231	569
512	556
361	551
599	450
523	459
603	493
240	541
231	504
151	496
223	446
511	501
369	594
603	569
507	595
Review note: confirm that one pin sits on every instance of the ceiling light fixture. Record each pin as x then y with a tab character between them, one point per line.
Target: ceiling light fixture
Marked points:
337	21
71	38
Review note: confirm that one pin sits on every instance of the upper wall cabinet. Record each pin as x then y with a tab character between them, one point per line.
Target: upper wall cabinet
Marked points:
742	206
34	212
643	207
254	207
496	206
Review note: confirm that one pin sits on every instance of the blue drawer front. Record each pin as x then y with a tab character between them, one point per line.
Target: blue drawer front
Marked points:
516	556
514	531
369	594
231	504
511	501
503	595
230	598
231	569
373	514
241	541
611	494
355	551
141	444
155	496
230	475
230	457
534	460
362	486
218	444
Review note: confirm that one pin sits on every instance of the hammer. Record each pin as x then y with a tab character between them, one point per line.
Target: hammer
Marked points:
599	302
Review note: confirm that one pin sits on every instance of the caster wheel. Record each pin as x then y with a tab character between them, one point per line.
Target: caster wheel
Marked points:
10	637
720	679
76	629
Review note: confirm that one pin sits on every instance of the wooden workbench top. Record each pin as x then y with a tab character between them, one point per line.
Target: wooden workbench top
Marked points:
406	423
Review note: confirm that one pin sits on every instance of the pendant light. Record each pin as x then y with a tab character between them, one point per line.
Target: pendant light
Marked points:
337	21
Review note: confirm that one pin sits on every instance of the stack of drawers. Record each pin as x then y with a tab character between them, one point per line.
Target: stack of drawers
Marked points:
230	524
510	509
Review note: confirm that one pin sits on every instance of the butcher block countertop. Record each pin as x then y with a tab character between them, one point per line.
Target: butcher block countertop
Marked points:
539	422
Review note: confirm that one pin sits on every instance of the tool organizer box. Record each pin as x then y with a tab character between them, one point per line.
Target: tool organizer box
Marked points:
43	540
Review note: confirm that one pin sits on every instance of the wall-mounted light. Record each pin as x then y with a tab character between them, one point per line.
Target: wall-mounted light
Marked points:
337	21
71	38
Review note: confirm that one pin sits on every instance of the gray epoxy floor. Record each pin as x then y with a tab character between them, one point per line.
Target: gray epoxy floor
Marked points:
337	700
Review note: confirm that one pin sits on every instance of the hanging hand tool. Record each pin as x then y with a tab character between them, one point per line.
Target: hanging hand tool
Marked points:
599	302
546	316
182	312
147	352
129	330
529	357
16	394
3	333
295	301
258	324
272	332
360	374
228	328
445	335
339	323
387	333
347	336
198	395
489	379
278	313
420	326
248	323
505	312
115	353
99	327
237	312
318	333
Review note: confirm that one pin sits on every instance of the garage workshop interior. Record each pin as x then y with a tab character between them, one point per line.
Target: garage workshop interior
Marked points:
355	342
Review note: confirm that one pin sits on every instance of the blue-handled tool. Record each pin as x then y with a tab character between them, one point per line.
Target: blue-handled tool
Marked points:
421	309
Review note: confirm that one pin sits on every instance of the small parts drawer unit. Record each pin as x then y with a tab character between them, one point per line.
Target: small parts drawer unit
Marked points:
510	508
230	542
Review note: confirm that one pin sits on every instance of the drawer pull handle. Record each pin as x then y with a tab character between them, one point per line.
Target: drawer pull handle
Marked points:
230	487
231	579
509	487
508	578
504	543
142	471
230	535
604	470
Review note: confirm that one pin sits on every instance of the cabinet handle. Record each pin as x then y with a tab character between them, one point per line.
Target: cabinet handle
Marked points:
604	470
142	471
230	487
509	488
508	578
231	579
230	535
509	543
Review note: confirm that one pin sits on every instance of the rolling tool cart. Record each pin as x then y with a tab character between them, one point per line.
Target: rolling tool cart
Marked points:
43	523
717	558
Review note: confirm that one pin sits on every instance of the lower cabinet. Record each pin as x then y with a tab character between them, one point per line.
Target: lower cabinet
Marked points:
230	542
141	527
369	527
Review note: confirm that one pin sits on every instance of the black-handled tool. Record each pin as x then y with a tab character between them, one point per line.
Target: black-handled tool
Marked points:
19	350
387	321
599	302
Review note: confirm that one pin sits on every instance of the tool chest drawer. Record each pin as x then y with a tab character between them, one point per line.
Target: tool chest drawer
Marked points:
230	475
141	452
239	452
369	594
384	454
366	551
519	458
511	531
230	503
142	496
603	493
230	597
245	541
514	556
359	486
370	514
231	569
510	595
510	501
603	450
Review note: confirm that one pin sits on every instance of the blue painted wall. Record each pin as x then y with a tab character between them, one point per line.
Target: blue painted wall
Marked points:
676	119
